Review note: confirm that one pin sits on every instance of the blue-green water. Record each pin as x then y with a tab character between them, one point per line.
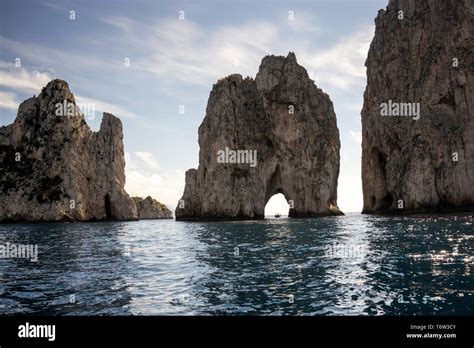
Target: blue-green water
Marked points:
349	265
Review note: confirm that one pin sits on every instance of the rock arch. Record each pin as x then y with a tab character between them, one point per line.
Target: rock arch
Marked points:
274	185
288	124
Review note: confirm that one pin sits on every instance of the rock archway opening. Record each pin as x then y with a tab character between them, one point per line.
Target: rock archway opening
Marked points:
277	206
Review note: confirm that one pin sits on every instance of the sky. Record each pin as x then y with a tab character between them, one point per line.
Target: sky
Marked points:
153	64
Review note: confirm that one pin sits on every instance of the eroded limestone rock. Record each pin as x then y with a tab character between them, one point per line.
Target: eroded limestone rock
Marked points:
291	125
55	168
427	57
150	208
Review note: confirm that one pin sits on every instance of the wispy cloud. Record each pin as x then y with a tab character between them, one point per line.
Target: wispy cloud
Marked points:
341	65
102	106
119	22
27	81
53	6
20	79
181	50
302	22
147	159
62	59
8	100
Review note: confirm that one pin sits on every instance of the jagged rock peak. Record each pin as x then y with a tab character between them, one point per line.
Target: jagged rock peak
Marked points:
53	167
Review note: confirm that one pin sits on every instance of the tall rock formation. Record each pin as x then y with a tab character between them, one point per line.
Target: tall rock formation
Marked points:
150	208
274	134
422	54
55	168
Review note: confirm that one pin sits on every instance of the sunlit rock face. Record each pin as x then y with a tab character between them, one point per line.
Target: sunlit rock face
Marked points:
53	167
421	57
276	133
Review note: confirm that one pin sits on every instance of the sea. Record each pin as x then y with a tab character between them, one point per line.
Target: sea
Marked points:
343	265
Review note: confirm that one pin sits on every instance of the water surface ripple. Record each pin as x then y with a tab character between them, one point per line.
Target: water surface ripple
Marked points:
349	265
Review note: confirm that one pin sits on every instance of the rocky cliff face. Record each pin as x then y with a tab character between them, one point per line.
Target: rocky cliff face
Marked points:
274	134
55	168
423	162
150	208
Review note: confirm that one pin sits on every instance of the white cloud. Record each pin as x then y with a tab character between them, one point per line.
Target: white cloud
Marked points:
165	186
8	100
342	65
187	53
20	79
148	159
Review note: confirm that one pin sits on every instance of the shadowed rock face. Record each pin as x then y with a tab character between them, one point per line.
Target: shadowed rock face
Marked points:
55	168
285	129
150	208
412	163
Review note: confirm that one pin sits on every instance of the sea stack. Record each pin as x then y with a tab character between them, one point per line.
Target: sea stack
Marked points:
276	133
417	118
150	208
54	168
